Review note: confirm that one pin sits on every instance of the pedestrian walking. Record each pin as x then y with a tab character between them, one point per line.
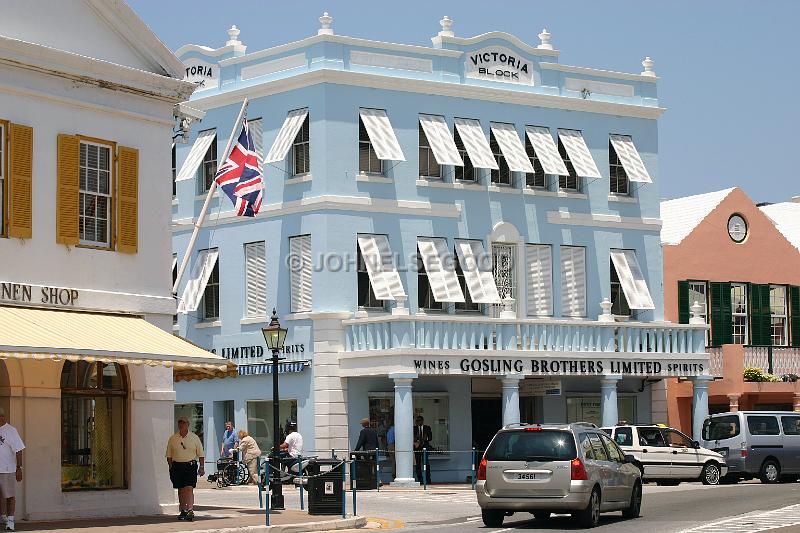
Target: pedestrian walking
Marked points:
248	453
185	459
230	439
422	441
11	447
368	438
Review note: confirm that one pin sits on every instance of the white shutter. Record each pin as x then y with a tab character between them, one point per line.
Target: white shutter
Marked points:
300	273
477	267
632	280
573	281
471	133
286	135
257	132
630	158
381	134
199	148
440	140
512	148
196	286
383	275
439	269
539	278
578	153
546	150
255	274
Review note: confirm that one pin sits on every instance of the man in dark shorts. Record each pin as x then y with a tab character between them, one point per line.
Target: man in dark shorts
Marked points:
185	458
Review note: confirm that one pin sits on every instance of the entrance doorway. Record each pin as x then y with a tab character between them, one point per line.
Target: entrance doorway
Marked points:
487	419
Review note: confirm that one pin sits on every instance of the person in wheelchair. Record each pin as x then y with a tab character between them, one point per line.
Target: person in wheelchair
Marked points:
248	451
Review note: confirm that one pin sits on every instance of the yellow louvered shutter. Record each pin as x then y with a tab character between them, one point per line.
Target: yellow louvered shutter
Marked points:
20	180
68	189
128	200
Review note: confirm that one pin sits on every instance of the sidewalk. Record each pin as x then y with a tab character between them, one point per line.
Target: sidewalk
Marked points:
207	520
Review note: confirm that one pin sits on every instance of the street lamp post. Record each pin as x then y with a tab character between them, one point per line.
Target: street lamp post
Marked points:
275	336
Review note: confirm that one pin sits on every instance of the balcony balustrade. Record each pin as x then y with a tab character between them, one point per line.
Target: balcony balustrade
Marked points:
777	360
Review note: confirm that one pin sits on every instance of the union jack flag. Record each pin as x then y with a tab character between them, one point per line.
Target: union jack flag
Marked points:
240	178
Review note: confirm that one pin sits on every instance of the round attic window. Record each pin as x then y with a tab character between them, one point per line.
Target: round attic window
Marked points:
737	228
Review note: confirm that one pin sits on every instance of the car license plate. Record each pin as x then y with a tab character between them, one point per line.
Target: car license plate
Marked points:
527	475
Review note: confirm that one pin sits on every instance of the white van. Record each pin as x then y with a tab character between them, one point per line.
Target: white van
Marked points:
756	444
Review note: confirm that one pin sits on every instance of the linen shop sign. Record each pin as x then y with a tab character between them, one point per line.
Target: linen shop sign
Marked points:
559	367
22	293
498	64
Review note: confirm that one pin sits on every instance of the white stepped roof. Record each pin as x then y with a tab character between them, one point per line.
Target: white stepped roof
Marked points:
786	217
680	216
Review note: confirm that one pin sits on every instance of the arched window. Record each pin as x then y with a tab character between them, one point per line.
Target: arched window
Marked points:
93	425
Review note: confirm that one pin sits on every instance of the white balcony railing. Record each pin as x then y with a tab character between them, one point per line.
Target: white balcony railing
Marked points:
715	361
785	360
476	333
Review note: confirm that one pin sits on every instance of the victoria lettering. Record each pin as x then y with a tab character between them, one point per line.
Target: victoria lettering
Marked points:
200	70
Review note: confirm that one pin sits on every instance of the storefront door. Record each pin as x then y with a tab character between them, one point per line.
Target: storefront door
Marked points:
487	419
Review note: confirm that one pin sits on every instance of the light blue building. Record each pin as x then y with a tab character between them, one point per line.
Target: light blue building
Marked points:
468	232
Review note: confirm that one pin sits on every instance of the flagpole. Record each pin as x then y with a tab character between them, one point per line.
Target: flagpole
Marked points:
201	217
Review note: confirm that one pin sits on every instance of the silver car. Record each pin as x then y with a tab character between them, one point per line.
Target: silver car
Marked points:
556	468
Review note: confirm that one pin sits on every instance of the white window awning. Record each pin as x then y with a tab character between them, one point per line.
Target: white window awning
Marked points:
286	135
512	147
381	135
382	272
199	148
546	150
477	267
471	133
174	261
439	268
632	280
630	158
257	132
578	153
193	292
441	140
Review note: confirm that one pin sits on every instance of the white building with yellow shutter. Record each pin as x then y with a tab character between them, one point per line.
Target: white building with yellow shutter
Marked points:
86	369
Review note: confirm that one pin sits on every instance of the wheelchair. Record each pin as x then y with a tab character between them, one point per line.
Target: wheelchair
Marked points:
230	472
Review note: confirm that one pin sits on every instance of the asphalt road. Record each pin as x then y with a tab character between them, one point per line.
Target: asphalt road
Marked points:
665	509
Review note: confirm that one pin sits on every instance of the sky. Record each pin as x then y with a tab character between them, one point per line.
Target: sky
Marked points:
727	68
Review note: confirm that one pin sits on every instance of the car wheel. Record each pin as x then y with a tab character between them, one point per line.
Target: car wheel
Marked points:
541	515
770	472
710	474
590	516
634	509
492	517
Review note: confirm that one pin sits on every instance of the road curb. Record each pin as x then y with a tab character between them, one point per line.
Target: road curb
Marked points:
326	525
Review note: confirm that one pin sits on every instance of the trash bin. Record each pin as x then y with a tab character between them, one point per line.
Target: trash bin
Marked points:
366	470
325	490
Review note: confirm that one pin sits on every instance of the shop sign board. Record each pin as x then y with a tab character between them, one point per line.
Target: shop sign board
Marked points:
540	387
23	293
203	73
498	63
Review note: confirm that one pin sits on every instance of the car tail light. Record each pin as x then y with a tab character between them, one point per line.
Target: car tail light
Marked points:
744	450
579	472
482	470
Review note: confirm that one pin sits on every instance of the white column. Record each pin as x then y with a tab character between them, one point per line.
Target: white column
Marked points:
511	398
608	400
404	429
699	404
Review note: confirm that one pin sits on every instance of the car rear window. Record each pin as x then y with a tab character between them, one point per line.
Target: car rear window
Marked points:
791	425
624	437
763	425
537	445
721	427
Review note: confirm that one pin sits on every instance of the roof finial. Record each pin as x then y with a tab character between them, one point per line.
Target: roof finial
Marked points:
545	38
447	24
233	36
648	67
325	22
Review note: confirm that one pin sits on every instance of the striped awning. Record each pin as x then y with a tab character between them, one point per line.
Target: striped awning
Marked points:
33	333
255	369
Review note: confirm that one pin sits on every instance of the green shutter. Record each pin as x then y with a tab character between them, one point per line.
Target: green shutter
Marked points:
720	313
794	309
759	315
683	302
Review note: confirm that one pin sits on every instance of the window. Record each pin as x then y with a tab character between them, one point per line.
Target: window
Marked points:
739	313
504	270
619	178
425	299
624	436
791	425
2	178
587	409
174	278
428	167
94	221
260	421
586	447
467	172
677	439
174	170
598	450
300	270
573	281
539	277
502	175
762	425
208	168
545	445
619	303
778	315
698	292
538	179
366	296
721	427
368	162
93	426
301	156
433	407
614	453
570	182
651	437
467	305
255	274
194	413
210	303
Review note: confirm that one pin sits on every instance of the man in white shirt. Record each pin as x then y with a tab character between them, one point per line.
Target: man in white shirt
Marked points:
293	444
11	447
